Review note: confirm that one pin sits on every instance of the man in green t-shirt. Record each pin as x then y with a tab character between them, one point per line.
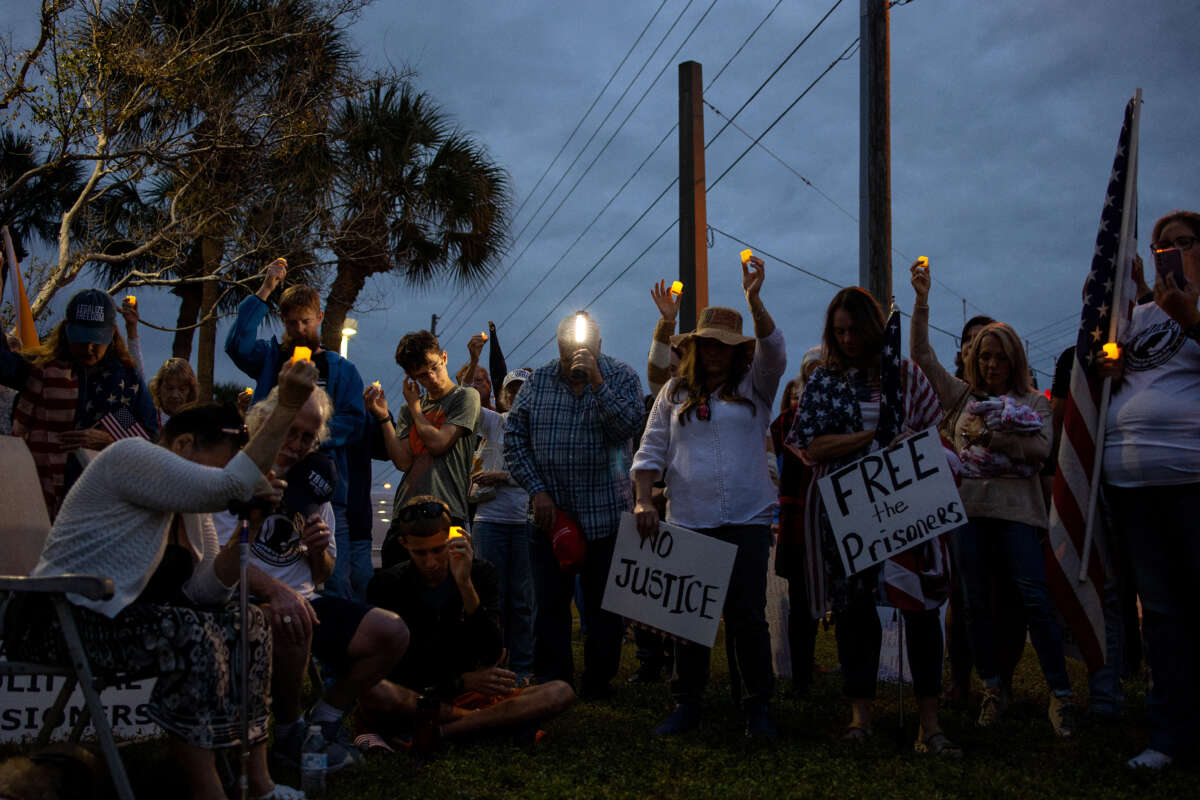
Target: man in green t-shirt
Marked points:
433	439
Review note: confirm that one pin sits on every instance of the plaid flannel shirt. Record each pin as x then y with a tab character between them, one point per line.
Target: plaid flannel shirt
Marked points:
577	447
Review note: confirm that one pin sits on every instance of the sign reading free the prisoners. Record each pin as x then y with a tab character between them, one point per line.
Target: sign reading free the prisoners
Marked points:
891	500
674	581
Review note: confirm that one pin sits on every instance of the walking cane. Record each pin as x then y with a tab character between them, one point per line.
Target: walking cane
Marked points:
244	656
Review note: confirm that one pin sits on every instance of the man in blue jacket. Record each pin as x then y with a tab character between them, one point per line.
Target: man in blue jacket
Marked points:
261	359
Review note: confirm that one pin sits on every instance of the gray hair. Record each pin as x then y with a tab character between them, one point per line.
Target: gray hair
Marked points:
258	413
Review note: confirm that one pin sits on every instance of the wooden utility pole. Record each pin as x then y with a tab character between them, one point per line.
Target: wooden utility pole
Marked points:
875	154
693	220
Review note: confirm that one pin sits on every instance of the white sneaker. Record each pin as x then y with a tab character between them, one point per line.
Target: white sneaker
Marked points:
1150	759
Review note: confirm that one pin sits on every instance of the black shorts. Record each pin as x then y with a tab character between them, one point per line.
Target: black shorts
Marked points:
339	619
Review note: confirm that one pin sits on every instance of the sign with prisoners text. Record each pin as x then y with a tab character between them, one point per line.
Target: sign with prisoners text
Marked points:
891	500
674	581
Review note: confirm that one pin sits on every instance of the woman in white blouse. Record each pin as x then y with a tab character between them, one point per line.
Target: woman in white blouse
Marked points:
705	438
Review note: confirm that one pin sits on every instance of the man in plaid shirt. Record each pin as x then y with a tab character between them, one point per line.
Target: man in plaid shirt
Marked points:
567	443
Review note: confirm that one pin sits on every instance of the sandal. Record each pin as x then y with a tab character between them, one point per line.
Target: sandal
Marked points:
936	744
856	734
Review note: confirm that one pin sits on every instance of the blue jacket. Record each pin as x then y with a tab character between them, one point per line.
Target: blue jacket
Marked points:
262	359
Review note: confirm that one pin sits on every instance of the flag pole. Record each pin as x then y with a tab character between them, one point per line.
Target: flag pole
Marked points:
1124	258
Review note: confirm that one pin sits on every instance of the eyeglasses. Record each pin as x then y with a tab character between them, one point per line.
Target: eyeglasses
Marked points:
306	440
426	510
1180	242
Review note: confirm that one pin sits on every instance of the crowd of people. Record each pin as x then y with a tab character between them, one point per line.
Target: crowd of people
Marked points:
510	506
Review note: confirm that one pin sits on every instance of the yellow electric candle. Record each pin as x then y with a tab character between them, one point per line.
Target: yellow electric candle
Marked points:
456	532
131	300
301	354
247	390
484	335
923	262
377	385
1111	350
746	254
676	288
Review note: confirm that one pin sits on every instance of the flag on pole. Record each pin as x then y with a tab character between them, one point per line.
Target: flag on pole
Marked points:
121	424
1074	569
16	293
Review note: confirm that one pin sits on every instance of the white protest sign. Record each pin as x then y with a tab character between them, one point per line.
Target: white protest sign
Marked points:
25	699
674	581
891	500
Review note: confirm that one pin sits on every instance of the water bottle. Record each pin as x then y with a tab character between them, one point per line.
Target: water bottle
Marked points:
313	762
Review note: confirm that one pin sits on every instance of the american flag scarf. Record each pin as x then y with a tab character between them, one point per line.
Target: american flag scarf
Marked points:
919	578
45	409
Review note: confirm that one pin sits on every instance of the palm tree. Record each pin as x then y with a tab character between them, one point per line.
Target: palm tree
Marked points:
35	210
411	195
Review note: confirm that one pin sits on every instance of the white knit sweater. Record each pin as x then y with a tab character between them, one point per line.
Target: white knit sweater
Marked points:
116	519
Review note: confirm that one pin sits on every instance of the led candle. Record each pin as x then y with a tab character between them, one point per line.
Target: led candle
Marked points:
301	354
746	255
456	532
676	288
923	262
580	329
131	300
1111	350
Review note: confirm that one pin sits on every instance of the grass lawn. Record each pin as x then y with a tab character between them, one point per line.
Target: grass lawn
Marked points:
605	750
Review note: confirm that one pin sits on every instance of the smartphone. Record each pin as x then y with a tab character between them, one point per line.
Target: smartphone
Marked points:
1170	262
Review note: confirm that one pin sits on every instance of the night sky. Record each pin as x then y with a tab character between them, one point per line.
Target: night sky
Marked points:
1005	116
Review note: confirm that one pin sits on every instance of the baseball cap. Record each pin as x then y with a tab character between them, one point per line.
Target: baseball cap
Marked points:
521	374
90	317
310	483
566	538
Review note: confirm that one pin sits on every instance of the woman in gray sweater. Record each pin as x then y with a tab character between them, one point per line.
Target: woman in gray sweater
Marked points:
140	515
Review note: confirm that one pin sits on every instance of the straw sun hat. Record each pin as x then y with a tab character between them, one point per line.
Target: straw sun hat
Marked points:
720	323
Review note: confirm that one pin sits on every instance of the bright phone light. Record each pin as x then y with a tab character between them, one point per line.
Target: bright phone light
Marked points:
580	329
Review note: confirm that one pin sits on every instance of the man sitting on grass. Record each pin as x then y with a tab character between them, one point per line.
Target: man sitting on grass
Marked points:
292	555
450	601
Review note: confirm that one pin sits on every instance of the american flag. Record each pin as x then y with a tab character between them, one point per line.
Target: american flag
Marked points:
121	424
1108	285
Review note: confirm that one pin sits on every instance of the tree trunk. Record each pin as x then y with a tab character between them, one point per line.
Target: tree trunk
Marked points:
189	311
210	249
344	290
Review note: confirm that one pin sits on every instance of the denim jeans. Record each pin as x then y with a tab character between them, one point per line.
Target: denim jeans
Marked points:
1021	552
553	590
362	568
338	583
507	547
747	636
1162	527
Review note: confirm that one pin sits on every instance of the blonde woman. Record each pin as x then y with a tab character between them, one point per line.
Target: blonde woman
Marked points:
1002	452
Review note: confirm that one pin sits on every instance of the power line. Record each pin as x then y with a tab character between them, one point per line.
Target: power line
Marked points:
579	124
713	139
610	140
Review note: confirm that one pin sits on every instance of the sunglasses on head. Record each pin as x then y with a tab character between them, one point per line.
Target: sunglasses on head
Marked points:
240	435
419	511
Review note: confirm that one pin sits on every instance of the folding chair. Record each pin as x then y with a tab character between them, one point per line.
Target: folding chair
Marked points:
24	525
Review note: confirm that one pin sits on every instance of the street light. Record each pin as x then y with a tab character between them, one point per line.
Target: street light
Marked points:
349	328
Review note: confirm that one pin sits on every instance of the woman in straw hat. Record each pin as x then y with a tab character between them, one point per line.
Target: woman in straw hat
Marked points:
705	436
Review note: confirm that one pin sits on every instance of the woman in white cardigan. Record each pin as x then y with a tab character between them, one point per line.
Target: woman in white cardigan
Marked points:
705	436
140	514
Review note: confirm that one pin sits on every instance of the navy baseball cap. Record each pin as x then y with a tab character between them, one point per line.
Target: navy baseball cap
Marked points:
91	315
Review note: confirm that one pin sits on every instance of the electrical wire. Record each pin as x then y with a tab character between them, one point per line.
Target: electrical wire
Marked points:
579	124
602	150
